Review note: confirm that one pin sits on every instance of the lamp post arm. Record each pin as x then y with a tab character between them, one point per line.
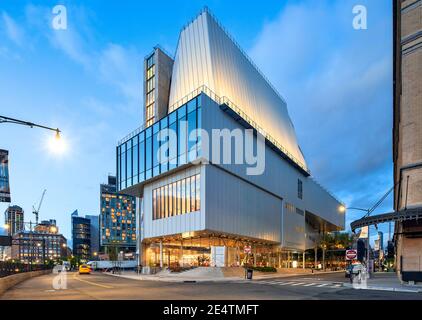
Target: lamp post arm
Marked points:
4	119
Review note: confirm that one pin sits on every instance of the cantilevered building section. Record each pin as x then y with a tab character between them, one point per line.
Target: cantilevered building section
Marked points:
193	211
207	56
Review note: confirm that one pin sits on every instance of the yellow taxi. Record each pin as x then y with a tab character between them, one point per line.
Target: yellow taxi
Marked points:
84	269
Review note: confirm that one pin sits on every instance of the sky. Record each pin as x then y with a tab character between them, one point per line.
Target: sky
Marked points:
87	81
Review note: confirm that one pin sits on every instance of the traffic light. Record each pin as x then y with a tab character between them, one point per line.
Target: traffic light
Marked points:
361	250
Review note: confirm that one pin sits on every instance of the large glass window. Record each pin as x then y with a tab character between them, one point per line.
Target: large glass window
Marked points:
182	135
124	165
192	193
187	196
138	159
129	163
135	157
170	200
180	197
198	192
148	154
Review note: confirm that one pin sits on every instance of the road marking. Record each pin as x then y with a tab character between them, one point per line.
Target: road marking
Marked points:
298	284
92	283
322	285
309	284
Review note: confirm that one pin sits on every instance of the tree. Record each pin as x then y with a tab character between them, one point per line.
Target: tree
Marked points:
113	252
335	241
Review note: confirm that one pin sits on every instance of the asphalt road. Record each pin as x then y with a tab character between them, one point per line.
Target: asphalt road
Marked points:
98	286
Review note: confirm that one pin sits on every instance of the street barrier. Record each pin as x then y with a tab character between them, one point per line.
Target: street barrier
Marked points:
10	281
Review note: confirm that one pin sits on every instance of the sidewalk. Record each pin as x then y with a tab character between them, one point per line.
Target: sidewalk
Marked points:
385	281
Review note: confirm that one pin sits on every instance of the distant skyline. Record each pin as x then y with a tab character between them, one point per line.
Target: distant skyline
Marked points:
87	80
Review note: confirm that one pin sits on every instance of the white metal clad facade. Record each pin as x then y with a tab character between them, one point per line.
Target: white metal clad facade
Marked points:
206	55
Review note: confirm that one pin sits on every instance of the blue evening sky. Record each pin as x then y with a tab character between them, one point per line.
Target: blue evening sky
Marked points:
86	80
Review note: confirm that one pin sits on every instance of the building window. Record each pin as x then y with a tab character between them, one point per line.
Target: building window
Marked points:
137	157
176	198
290	207
299	189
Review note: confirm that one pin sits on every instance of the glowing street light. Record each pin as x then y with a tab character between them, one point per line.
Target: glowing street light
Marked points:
56	144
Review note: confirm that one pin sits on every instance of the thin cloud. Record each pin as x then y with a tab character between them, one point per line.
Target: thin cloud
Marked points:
13	31
112	64
337	83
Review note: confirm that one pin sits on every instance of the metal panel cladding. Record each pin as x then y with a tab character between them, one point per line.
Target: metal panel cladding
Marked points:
207	56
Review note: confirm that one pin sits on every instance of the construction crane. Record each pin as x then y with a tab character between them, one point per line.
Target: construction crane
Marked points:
37	211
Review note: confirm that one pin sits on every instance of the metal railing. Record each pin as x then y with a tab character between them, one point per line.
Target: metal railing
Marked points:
8	268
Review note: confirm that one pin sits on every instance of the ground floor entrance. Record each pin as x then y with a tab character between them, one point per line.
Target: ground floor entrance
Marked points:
216	251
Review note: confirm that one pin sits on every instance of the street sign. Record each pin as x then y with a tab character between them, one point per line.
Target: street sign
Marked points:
247	249
364	232
351	254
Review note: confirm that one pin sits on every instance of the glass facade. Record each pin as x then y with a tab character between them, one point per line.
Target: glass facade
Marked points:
118	220
179	197
139	159
81	236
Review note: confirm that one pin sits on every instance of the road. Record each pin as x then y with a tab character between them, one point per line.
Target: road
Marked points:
98	286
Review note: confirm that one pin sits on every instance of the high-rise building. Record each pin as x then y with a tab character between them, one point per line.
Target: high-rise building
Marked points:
197	208
81	237
14	219
95	234
407	136
117	218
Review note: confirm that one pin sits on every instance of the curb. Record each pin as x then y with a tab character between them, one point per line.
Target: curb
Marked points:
378	288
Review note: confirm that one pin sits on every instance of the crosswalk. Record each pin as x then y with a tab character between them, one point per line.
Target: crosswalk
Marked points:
314	284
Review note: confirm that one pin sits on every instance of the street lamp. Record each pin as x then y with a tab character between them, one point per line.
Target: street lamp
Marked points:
56	144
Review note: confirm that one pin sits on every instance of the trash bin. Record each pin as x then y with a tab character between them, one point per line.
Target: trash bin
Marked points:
249	274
